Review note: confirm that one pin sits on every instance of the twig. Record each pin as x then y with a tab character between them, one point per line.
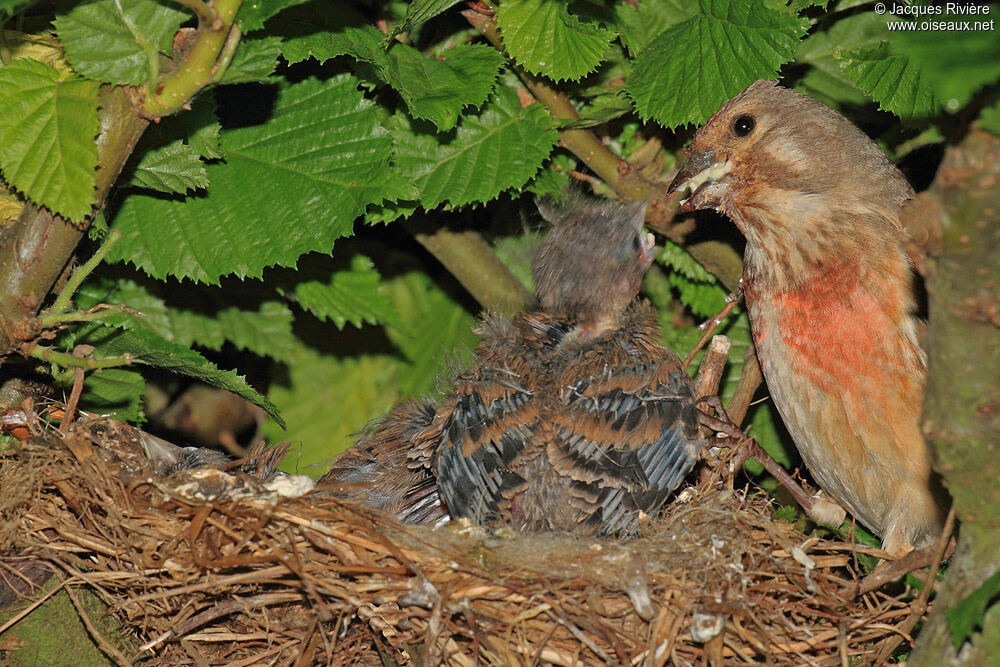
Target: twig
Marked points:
710	370
469	258
732	299
68	360
919	606
226	56
914	560
62	302
106	647
196	70
746	386
74	398
747	447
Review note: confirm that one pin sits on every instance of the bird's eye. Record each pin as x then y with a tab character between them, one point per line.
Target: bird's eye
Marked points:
636	243
743	125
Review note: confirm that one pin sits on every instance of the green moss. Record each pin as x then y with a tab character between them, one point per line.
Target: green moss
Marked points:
53	633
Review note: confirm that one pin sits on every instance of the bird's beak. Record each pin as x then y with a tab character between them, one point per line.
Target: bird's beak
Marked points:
705	176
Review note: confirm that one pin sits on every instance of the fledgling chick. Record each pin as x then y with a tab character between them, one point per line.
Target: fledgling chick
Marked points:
573	415
829	293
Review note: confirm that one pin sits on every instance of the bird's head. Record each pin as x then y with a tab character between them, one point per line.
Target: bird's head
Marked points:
592	262
795	176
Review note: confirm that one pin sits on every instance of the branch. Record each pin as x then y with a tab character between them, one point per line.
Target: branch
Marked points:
962	399
718	258
471	260
214	41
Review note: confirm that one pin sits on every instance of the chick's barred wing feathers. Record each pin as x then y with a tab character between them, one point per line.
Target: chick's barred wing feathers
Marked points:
627	434
491	416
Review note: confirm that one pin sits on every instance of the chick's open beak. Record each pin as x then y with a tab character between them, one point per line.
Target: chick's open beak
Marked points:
705	176
649	251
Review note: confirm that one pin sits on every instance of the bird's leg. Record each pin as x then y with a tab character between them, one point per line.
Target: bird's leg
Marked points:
709	325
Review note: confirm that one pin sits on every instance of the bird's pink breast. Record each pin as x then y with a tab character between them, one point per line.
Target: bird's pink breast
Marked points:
835	332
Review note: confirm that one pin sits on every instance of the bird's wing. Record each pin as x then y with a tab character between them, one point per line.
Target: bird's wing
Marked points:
629	431
486	424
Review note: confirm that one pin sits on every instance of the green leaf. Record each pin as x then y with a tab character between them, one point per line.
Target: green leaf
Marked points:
327	401
954	64
253	13
354	295
680	260
47	130
639	23
799	5
116	41
420	11
254	60
437	89
553	180
172	168
322	30
433	88
266	331
826	79
704	299
434	329
115	391
967	615
544	38
197	127
891	80
602	109
686	73
314	165
152	350
500	147
857	54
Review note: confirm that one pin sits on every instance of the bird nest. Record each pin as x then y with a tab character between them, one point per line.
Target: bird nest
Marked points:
208	567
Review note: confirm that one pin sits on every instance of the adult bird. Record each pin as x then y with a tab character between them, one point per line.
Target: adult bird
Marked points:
572	415
828	288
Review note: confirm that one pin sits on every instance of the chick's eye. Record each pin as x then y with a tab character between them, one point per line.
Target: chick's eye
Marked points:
743	125
636	243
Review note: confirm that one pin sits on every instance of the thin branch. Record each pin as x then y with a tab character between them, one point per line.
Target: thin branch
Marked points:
68	360
106	647
710	325
719	258
228	51
746	386
469	258
62	302
196	70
